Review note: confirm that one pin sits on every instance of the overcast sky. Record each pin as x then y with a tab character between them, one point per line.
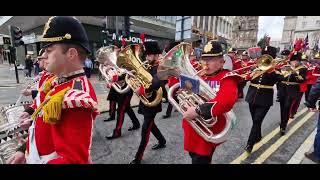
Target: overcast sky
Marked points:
272	26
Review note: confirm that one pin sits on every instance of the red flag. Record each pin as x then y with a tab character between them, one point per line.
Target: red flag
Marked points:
142	37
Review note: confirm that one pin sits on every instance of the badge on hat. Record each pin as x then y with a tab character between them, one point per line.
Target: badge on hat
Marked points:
65	29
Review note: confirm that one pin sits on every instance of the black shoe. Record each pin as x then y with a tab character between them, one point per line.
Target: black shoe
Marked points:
312	157
291	117
258	139
135	161
113	135
277	100
249	148
166	116
133	128
282	132
109	119
158	146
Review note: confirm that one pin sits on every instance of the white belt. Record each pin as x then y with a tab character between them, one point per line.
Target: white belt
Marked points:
33	156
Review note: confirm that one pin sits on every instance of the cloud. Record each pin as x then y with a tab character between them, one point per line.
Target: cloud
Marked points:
272	26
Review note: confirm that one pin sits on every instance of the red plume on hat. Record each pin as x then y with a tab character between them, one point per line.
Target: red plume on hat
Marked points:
297	47
142	37
123	42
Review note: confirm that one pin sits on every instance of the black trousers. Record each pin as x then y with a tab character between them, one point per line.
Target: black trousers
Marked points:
199	159
170	106
296	105
241	86
278	92
112	109
258	113
147	127
87	71
286	105
306	95
124	107
165	93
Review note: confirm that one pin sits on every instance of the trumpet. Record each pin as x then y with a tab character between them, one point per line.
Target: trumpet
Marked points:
107	57
263	64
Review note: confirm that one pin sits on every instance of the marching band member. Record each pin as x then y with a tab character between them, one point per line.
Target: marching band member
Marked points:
289	92
200	150
124	106
25	118
244	63
285	53
260	96
62	129
152	51
312	75
303	86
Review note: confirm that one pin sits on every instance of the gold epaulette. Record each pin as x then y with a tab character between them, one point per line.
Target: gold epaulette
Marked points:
51	107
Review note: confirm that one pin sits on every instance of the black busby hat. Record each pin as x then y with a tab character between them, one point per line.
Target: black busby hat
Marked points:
171	45
296	56
232	50
285	52
65	29
272	51
152	47
212	49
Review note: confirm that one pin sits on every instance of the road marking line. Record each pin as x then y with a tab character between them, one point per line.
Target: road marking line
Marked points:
267	138
280	141
305	146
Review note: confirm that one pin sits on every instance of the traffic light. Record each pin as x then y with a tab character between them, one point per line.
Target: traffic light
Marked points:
16	36
127	25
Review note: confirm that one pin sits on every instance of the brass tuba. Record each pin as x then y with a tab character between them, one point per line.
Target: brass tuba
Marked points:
108	56
130	59
176	62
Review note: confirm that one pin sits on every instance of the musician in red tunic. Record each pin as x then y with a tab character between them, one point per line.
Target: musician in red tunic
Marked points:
223	81
62	127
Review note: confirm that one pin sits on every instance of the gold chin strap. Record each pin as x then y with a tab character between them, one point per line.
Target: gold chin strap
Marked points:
55	39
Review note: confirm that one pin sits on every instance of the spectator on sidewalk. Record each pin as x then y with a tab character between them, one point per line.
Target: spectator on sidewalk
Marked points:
88	66
37	69
29	65
311	104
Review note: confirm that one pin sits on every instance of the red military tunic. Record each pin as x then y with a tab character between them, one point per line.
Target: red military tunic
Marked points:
70	137
225	82
237	64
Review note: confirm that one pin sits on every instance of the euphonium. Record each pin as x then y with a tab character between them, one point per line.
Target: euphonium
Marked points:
176	62
108	56
130	59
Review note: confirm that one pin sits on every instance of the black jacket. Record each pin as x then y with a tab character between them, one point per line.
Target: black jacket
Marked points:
314	95
293	91
263	96
29	64
156	84
115	96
